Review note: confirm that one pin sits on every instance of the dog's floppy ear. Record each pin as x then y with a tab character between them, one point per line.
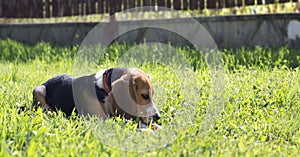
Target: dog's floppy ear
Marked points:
133	87
122	92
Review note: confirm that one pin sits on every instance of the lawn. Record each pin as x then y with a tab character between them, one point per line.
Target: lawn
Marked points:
259	114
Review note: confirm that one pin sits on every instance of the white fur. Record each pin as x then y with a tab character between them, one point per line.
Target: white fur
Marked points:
99	78
99	83
151	110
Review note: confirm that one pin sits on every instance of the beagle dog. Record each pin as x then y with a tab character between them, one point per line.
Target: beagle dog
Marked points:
126	92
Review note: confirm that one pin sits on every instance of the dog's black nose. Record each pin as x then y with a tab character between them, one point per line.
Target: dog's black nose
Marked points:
156	117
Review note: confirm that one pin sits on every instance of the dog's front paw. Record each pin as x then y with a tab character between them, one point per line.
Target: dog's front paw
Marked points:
155	126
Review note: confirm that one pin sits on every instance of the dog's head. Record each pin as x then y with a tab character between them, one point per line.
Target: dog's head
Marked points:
132	96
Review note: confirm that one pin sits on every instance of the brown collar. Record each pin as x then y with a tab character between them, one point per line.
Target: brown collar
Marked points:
107	80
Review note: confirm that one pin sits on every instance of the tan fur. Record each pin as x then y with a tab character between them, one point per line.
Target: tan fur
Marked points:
140	83
155	126
96	107
39	94
117	110
139	102
132	96
86	100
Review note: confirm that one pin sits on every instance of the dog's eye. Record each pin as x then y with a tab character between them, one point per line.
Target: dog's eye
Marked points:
145	96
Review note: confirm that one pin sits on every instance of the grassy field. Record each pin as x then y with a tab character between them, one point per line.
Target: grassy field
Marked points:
260	116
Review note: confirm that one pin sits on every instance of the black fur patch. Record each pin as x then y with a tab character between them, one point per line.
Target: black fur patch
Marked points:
101	94
59	93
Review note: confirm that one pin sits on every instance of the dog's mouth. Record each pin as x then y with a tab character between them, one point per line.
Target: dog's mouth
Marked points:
149	122
147	118
152	122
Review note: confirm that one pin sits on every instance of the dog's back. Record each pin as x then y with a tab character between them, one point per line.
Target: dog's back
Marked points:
57	93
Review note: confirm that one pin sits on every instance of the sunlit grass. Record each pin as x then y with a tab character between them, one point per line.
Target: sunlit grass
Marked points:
260	116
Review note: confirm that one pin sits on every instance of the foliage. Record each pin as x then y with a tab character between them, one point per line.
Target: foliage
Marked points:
12	51
260	116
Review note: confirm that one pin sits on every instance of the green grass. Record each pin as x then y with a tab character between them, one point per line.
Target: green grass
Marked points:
260	116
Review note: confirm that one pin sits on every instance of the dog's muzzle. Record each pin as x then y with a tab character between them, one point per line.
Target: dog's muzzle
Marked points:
149	113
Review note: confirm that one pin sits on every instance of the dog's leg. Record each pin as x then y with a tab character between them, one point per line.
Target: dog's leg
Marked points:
39	97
